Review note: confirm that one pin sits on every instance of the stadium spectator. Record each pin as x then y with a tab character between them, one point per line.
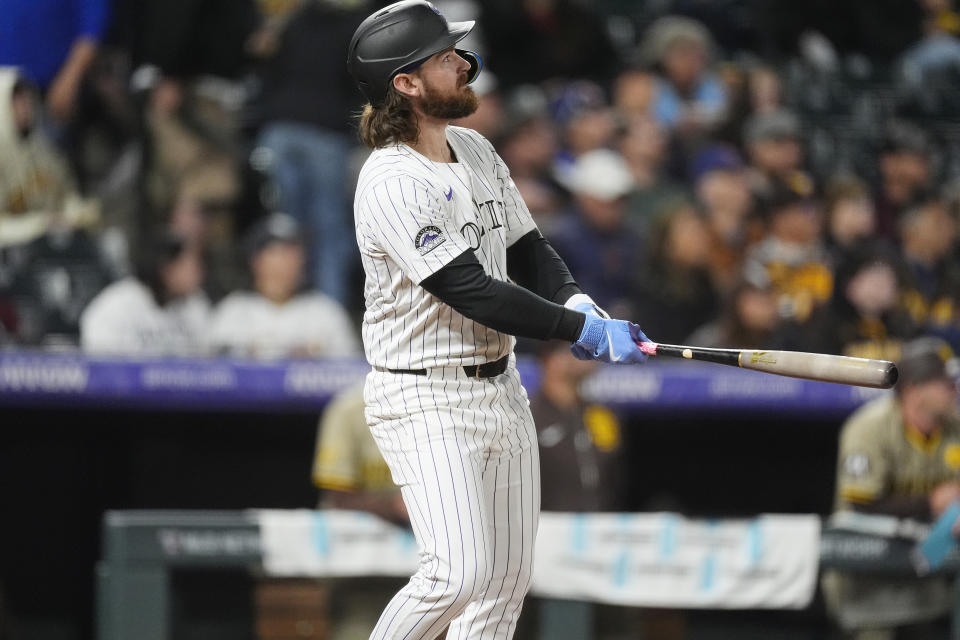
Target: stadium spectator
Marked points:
160	310
719	181
864	317
748	318
689	100
581	463
765	90
36	187
61	272
279	318
904	174
929	236
585	121
772	144
753	90
594	238
936	57
54	43
634	91
192	155
850	215
350	473
899	455
644	147
792	254
273	17
675	294
306	111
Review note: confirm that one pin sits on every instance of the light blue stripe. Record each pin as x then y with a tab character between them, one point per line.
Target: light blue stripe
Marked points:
321	534
621	569
578	533
668	536
621	566
708	572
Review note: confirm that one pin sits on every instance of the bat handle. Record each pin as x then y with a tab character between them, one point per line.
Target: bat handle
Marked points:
723	356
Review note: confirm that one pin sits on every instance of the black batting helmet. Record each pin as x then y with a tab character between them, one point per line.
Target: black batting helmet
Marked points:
396	39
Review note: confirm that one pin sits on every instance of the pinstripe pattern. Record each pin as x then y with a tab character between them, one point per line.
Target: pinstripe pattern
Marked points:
462	450
464	454
400	192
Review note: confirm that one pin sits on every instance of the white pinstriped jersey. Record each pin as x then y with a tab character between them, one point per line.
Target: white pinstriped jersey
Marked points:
412	217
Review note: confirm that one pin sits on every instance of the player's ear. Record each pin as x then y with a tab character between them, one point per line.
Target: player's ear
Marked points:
407	84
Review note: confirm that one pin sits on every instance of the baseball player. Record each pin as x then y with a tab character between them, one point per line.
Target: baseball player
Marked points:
455	268
899	455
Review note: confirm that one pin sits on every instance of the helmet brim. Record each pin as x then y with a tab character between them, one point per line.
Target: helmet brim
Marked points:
457	31
460	30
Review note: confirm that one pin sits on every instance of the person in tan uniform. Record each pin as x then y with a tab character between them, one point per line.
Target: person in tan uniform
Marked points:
351	473
899	455
348	467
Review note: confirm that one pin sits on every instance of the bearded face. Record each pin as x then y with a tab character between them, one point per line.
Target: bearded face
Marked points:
448	105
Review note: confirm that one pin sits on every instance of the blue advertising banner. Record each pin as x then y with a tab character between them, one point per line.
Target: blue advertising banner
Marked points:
72	380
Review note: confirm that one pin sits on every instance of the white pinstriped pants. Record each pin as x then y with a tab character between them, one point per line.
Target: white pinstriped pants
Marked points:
464	452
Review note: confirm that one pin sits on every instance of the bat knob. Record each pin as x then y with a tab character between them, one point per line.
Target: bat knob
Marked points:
890	376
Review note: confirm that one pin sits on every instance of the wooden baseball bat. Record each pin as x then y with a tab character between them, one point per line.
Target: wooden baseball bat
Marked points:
863	372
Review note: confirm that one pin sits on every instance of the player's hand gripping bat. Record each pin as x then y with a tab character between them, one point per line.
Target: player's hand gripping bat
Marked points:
863	372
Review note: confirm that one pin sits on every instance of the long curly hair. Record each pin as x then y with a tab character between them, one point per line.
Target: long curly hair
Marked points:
393	122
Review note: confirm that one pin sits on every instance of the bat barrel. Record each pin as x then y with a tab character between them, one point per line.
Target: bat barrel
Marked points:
864	372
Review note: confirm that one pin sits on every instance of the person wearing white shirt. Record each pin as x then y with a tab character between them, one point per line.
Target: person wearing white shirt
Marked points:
278	318
160	311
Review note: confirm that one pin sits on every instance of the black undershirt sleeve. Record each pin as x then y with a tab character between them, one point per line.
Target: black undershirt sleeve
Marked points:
503	306
533	263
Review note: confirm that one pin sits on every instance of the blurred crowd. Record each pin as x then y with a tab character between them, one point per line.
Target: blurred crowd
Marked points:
176	178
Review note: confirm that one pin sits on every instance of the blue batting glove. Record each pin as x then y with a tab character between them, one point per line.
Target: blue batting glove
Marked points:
591	308
584	304
613	341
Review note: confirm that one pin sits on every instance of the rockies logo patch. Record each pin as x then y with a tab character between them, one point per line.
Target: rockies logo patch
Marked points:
428	239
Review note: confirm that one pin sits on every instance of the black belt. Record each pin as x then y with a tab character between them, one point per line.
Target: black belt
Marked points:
485	370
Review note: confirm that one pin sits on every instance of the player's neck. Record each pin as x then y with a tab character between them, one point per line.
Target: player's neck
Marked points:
432	142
